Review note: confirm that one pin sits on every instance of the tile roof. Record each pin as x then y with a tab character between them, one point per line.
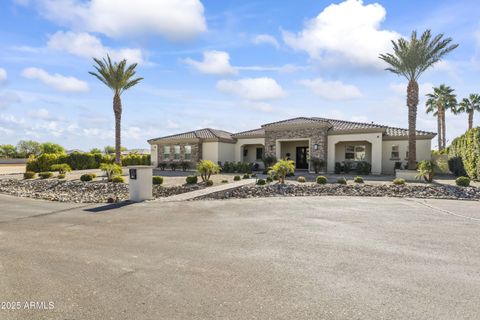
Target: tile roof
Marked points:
206	133
298	120
254	132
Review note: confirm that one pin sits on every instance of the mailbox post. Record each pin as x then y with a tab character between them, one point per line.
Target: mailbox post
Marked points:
140	183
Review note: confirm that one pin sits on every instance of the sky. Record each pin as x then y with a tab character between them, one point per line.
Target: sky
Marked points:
230	64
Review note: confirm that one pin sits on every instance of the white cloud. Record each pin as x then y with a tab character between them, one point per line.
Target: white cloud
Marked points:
3	75
252	88
266	39
85	45
172	124
257	105
172	19
8	98
56	80
42	114
286	68
332	90
214	62
345	32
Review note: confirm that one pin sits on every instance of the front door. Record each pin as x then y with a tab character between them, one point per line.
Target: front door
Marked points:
301	158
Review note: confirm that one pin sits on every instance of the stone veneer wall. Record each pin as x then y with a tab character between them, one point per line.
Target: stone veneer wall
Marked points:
317	135
196	152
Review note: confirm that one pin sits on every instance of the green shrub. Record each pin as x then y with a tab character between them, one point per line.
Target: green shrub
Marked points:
455	165
173	165
322	180
363	167
467	148
61	176
463	181
86	177
191	179
45	175
269	160
185	165
61	168
209	183
83	160
426	170
224	181
358	179
135	159
118	179
246	176
338	168
29	175
236	178
162	165
206	168
269	179
261	182
317	164
43	162
342	181
399	181
282	168
301	179
110	170
94	175
157	180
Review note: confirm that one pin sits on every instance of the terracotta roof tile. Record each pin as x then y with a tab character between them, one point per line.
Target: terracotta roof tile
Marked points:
254	132
206	133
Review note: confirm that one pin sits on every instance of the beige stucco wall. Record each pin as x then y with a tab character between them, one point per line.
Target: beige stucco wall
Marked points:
154	154
245	143
291	147
340	150
375	140
388	165
210	151
226	152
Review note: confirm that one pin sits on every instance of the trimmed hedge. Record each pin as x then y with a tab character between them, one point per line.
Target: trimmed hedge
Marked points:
301	179
118	179
86	177
399	181
157	180
466	152
358	179
191	179
463	181
342	181
29	175
45	175
82	160
322	180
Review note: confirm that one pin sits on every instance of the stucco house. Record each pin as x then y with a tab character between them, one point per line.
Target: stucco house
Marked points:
299	139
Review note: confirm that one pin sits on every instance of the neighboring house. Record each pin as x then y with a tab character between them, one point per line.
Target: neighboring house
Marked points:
299	139
135	151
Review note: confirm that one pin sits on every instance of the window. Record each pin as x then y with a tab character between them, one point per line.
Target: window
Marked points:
177	152
259	153
188	152
166	152
355	153
395	153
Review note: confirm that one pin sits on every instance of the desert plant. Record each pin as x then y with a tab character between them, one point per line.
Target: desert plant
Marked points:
162	165
118	77
411	58
29	175
237	178
282	168
426	170
322	180
269	160
86	177
45	175
363	167
61	168
317	164
191	179
173	165
301	179
157	180
61	176
209	183
399	181
269	179
118	179
206	168
224	181
342	180
338	168
462	181
110	170
246	176
358	179
261	182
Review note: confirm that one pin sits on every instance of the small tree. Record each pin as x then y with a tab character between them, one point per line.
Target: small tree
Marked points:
317	164
110	169
8	151
282	168
50	147
97	150
61	168
269	160
206	168
29	148
426	170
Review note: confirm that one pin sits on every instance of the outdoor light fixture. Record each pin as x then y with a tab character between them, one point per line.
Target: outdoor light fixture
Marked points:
315	146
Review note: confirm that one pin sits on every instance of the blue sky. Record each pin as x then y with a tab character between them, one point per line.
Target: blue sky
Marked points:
232	65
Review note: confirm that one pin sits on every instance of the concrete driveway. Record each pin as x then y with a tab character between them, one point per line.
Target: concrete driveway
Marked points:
285	258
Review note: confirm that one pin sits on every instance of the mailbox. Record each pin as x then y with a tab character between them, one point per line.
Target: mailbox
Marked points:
133	174
140	183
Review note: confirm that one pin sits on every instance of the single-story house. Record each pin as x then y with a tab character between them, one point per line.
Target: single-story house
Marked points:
298	139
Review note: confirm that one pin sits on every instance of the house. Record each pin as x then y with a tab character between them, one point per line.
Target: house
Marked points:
299	139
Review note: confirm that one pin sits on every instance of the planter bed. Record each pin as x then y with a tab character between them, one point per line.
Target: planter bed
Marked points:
295	190
80	192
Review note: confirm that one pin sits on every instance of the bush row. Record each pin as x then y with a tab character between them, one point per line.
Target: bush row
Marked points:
464	154
359	167
81	160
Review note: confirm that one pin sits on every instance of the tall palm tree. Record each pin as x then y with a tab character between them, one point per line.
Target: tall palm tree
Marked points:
410	59
469	105
118	77
440	100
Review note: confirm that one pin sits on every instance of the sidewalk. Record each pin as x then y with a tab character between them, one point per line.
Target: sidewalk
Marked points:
205	191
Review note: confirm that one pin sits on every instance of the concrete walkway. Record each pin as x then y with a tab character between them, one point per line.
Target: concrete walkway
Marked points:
208	190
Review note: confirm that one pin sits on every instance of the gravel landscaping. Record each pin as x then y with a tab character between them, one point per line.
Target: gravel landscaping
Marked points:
81	192
378	190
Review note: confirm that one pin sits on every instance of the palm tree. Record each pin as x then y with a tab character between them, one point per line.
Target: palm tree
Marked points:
440	100
410	59
469	105
118	77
